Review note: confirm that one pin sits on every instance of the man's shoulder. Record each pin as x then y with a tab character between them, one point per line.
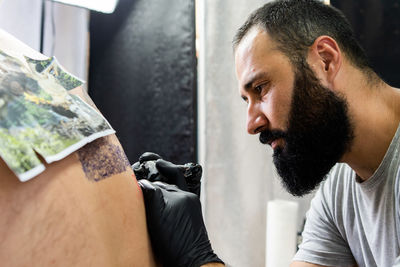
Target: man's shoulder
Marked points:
338	181
339	173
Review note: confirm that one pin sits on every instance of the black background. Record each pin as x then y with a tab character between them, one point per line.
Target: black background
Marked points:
377	26
142	76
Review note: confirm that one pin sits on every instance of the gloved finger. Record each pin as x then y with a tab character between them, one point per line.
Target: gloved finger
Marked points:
172	173
146	186
165	186
152	194
146	170
146	156
135	165
192	173
195	189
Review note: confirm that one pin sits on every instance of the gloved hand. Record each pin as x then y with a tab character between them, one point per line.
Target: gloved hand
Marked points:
153	168
176	226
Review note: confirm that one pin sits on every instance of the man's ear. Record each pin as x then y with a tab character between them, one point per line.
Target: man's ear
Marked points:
325	58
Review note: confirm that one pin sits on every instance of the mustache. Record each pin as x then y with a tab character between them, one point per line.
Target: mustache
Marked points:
268	136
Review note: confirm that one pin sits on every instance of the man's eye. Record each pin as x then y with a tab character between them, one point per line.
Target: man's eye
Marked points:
259	88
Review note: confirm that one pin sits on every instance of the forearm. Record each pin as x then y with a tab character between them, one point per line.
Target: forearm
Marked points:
213	265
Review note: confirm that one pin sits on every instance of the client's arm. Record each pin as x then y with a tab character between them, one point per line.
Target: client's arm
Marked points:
84	210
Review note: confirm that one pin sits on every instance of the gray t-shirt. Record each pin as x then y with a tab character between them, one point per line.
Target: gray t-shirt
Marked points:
356	223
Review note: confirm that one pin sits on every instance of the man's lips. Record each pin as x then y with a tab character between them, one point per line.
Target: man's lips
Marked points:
274	143
274	138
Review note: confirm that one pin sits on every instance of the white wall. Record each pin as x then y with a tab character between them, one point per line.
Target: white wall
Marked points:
22	18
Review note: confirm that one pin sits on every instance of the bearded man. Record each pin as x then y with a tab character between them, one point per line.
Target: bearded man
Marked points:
331	121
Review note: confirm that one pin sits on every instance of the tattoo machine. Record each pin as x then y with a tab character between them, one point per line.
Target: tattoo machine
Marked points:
191	171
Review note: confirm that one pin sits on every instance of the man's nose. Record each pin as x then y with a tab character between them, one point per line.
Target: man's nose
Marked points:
256	119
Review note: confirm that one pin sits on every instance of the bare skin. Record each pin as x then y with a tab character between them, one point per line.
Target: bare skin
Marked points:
63	217
265	77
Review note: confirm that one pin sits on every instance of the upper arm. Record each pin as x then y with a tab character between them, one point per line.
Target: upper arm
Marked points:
77	221
322	241
83	210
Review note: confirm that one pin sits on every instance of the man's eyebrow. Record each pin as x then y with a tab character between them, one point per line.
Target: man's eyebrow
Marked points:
248	85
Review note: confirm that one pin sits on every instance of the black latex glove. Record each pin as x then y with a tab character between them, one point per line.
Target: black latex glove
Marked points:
176	226
153	168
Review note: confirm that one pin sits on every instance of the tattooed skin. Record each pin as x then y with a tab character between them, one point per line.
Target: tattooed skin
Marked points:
101	159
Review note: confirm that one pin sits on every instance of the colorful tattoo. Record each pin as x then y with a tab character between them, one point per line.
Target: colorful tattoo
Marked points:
101	159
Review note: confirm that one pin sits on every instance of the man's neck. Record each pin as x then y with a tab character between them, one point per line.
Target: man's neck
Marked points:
375	113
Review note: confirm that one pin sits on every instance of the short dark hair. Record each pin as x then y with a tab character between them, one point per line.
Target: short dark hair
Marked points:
295	24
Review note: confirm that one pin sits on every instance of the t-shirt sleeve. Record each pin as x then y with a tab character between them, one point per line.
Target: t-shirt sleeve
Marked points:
322	242
397	208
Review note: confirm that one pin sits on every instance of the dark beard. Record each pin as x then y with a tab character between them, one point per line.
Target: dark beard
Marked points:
319	133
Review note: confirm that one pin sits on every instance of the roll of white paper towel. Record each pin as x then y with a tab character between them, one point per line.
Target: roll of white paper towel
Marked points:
281	232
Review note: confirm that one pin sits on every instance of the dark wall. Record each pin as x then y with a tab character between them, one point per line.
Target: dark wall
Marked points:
143	76
377	25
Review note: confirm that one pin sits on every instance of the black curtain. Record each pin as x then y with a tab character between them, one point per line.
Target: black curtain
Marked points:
142	76
377	26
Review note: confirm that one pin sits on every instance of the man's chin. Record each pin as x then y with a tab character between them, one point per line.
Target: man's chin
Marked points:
298	189
298	181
